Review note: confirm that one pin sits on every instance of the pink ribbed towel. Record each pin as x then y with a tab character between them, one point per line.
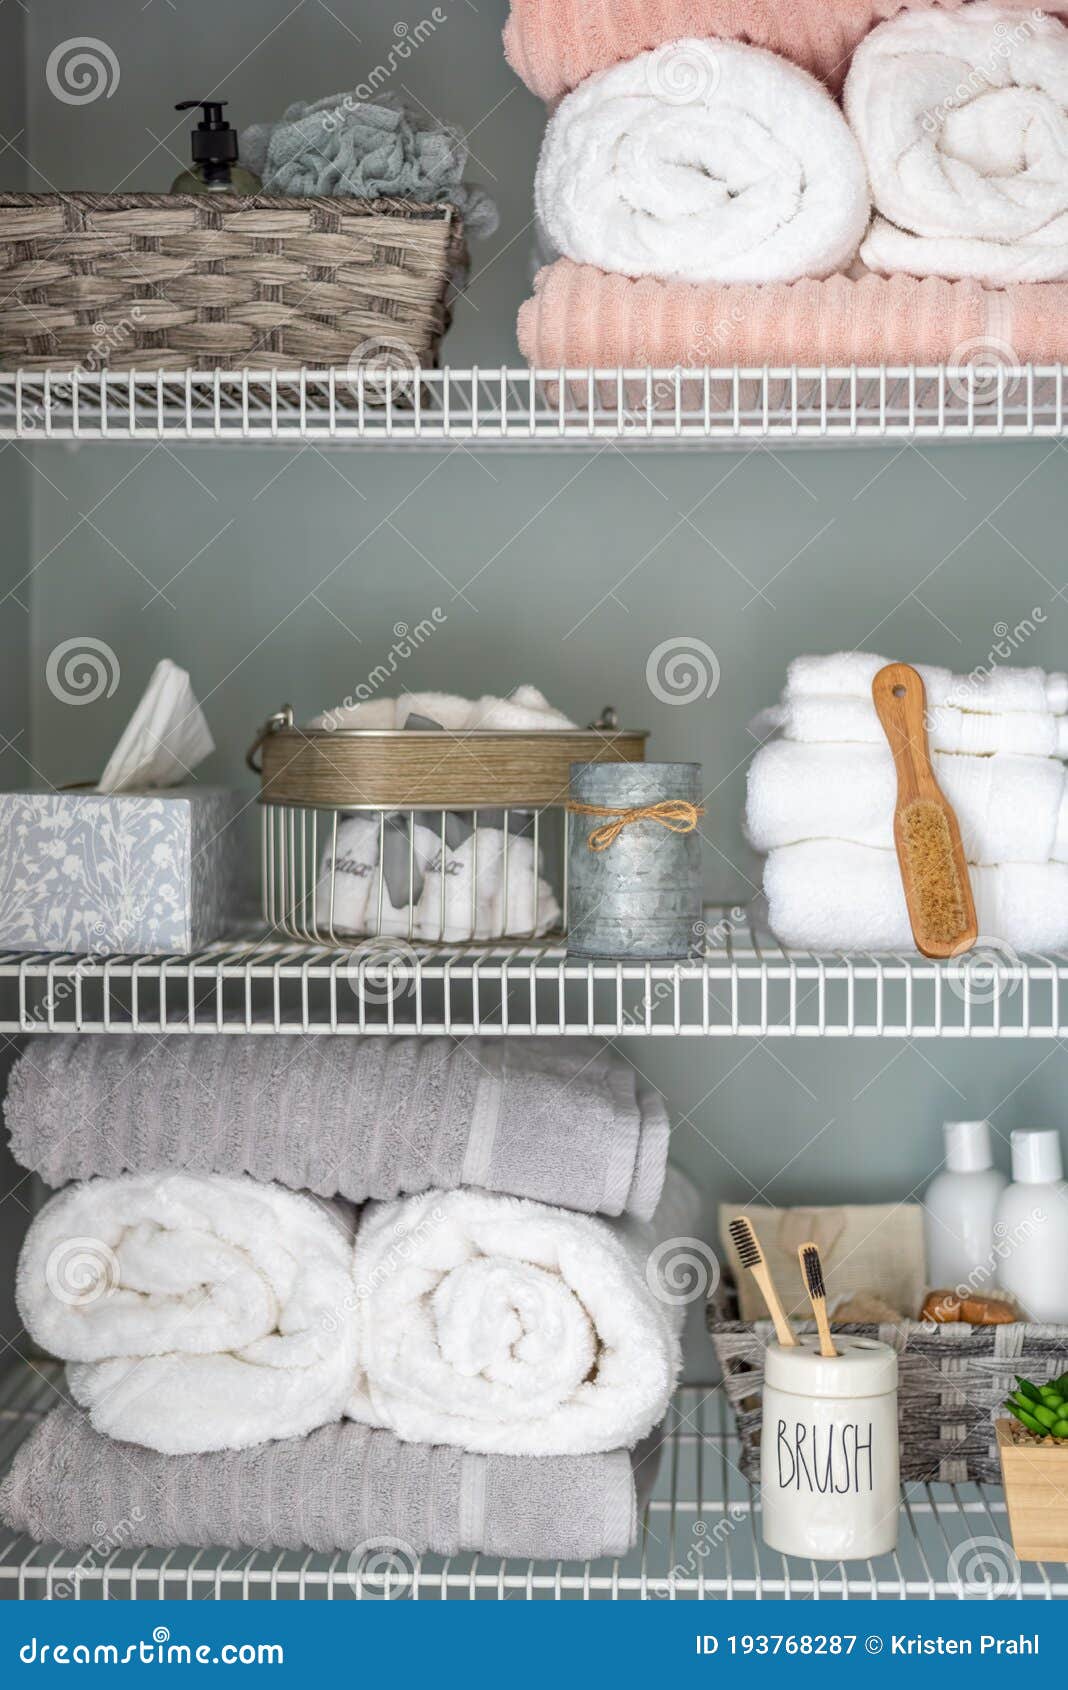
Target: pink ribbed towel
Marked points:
580	318
555	44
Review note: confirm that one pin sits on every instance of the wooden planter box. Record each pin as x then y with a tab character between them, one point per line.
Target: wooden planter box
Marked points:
1036	1495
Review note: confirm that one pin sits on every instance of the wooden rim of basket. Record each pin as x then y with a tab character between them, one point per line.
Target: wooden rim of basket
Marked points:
355	768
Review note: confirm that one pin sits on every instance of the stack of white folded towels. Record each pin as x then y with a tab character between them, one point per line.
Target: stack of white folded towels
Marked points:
822	794
433	874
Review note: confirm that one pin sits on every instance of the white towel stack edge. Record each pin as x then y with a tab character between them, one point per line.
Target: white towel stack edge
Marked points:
821	799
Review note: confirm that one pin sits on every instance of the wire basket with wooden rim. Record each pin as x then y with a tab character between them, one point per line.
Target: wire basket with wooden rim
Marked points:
421	835
223	281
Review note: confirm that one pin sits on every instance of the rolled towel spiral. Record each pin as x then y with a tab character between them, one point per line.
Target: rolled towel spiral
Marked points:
704	161
962	119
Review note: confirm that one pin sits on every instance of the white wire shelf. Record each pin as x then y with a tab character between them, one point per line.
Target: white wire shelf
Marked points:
700	1539
743	985
522	408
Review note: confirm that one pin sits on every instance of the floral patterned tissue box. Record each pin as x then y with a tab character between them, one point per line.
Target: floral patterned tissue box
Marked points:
113	873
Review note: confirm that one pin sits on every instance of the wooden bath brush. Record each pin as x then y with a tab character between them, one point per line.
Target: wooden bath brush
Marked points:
929	850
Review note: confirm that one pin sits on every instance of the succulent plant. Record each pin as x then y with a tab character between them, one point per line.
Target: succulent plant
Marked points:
1043	1409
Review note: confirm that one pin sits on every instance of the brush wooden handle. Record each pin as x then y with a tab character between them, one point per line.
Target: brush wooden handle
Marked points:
783	1330
901	703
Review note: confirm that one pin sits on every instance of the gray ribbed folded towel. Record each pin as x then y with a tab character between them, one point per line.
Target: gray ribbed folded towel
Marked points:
561	1121
338	1488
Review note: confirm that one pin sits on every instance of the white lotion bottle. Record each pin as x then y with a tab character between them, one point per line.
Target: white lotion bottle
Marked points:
959	1208
1031	1228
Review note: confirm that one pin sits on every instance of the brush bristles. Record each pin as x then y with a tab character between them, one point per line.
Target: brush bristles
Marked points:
810	1261
744	1240
928	847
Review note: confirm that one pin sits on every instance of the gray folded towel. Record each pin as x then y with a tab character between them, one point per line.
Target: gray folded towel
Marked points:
562	1121
338	1488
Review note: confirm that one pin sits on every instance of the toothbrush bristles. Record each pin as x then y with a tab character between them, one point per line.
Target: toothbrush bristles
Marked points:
810	1257
745	1242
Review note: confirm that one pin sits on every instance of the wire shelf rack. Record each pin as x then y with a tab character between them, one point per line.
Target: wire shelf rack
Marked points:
523	408
743	984
700	1539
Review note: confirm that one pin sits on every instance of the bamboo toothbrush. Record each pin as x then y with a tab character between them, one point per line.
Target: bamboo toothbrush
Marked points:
812	1273
929	850
751	1256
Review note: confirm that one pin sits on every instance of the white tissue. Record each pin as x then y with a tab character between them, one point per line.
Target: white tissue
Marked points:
165	738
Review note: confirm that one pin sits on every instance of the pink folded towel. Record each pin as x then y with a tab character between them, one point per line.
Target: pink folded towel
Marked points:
555	44
580	317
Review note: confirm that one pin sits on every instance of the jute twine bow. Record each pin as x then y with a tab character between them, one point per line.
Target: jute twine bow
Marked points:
676	814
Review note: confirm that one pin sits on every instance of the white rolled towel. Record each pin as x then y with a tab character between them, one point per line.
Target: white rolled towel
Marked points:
962	118
1010	809
991	690
195	1312
704	161
509	898
825	895
505	1326
853	721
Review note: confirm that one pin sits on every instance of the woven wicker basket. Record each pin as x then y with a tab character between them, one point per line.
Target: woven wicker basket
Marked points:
189	281
952	1382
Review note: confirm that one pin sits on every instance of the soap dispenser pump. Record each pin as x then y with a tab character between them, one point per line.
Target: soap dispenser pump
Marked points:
215	169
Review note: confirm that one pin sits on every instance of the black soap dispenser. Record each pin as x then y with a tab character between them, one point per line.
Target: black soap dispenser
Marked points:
215	169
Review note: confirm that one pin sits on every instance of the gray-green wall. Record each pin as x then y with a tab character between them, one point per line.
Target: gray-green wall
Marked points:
279	574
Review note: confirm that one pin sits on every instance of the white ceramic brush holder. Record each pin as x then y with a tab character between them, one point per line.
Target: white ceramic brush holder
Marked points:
829	1465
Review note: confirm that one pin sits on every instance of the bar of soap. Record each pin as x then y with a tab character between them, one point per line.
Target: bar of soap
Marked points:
945	1307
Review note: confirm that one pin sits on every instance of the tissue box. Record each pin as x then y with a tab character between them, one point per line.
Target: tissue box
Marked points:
107	873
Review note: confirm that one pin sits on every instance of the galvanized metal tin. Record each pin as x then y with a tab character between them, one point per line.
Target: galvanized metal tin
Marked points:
641	896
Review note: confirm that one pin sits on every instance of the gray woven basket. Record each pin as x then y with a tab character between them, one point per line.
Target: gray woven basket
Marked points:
952	1381
199	281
